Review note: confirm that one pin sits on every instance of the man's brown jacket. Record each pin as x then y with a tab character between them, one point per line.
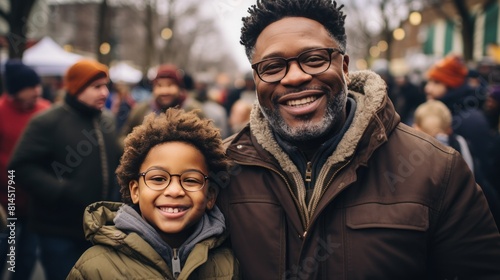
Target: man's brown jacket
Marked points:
389	203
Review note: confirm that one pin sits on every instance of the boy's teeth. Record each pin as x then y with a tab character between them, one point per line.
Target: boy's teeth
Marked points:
171	210
302	101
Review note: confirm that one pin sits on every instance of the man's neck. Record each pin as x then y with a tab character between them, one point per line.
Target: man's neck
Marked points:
310	147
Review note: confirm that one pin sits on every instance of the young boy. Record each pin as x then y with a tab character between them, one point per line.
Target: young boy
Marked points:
169	226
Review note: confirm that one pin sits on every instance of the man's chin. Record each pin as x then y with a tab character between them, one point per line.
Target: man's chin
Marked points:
300	134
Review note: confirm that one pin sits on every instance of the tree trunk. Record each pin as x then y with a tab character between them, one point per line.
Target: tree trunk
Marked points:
467	29
150	43
18	26
103	32
389	39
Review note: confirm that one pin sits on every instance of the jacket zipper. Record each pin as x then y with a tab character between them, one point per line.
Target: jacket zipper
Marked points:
176	264
308	176
329	182
308	179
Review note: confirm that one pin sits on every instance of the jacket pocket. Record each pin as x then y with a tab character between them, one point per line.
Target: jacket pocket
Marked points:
405	215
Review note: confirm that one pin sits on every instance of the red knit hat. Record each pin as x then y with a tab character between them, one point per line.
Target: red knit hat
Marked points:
82	74
169	71
450	71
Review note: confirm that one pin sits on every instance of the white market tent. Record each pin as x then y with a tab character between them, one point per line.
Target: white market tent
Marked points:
122	72
48	58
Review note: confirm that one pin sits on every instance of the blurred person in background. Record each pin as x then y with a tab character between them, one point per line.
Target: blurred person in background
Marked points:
488	70
389	80
122	103
211	109
20	102
447	82
478	85
239	115
330	184
142	90
247	92
434	119
168	92
492	107
492	111
409	96
51	88
66	159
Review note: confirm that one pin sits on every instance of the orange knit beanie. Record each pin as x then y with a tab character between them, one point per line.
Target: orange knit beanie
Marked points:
82	74
450	71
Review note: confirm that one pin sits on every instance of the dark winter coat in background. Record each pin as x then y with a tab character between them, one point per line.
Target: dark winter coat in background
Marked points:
66	160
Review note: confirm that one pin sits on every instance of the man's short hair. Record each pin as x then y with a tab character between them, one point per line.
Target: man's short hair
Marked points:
266	12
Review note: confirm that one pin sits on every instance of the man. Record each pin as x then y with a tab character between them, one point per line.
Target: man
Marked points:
21	101
66	159
329	184
168	91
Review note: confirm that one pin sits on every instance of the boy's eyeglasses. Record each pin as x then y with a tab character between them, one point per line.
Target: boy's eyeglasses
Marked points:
159	179
312	62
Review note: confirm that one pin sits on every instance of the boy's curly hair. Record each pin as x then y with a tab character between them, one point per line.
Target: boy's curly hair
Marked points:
266	12
173	125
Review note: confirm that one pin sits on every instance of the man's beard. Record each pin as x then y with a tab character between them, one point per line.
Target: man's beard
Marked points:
307	130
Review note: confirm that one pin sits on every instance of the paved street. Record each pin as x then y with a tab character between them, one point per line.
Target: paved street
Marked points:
37	274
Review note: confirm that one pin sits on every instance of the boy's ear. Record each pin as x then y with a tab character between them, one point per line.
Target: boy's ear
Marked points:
133	186
211	196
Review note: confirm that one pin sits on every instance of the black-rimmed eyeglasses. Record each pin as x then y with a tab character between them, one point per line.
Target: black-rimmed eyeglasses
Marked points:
159	179
312	62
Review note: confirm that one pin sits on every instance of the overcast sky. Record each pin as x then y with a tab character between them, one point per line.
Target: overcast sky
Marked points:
228	15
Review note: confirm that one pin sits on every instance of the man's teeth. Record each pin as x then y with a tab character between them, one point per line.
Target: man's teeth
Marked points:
303	101
171	210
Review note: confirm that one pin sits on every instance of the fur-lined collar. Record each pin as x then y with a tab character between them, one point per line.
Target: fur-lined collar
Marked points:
366	88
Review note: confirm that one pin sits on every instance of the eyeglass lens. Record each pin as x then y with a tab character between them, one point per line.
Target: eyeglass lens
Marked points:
311	62
157	179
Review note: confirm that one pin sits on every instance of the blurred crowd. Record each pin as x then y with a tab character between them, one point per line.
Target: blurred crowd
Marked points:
455	103
460	106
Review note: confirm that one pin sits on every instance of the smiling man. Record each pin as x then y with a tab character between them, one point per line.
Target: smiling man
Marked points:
329	183
66	160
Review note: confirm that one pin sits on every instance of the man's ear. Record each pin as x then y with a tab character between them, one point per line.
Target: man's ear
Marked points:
345	68
133	186
211	197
